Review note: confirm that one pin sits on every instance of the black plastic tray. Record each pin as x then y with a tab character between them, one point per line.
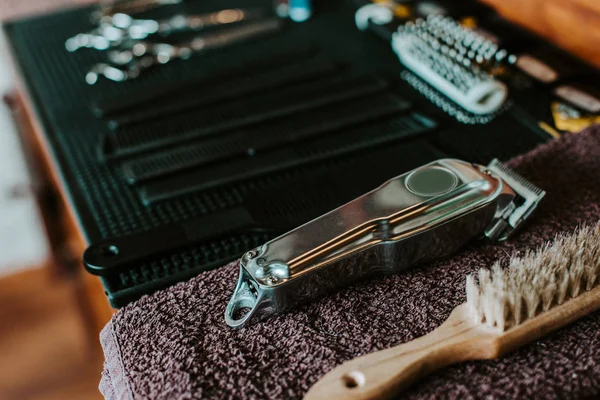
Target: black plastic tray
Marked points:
341	128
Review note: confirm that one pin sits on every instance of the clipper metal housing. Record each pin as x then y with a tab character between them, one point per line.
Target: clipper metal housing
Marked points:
422	215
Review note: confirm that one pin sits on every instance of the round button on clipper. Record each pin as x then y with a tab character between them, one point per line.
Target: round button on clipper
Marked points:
431	181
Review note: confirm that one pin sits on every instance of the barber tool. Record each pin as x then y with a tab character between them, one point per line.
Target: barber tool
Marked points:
458	62
238	228
138	103
105	37
585	97
505	309
426	8
318	95
182	22
278	161
379	14
577	105
128	64
419	216
544	65
120	28
453	63
234	87
108	8
536	68
570	119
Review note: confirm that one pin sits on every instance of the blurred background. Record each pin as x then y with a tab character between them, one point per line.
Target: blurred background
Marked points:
46	350
49	325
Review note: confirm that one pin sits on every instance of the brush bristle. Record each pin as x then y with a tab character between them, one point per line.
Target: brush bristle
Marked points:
536	282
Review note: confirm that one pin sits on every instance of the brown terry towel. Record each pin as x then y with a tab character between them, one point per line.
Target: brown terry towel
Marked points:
175	344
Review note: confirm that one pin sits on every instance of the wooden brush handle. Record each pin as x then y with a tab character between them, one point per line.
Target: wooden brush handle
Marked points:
382	374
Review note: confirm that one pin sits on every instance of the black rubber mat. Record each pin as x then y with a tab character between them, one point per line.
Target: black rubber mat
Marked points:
289	125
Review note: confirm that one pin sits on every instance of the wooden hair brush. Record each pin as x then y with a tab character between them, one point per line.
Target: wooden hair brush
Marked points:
505	309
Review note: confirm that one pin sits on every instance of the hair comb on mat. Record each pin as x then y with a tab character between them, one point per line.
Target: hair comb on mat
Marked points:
422	215
505	309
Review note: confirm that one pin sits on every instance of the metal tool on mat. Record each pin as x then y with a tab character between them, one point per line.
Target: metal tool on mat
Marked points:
182	22
128	64
422	215
107	8
120	29
570	119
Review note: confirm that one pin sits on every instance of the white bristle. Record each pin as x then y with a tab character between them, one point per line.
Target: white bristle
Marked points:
537	281
473	298
563	286
548	295
590	277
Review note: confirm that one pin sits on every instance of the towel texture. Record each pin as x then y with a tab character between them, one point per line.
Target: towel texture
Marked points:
174	344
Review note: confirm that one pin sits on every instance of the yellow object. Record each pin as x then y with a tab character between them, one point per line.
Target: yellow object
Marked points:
469	22
572	124
550	130
399	10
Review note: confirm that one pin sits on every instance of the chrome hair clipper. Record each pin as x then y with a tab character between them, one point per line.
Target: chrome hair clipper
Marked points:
423	215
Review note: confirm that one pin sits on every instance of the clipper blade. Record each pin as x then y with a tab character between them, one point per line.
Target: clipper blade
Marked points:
518	211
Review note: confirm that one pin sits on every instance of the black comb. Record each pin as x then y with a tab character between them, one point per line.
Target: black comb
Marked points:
238	114
270	213
217	92
322	149
253	140
143	99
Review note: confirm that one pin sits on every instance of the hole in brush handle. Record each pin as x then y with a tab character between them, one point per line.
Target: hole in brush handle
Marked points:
354	379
